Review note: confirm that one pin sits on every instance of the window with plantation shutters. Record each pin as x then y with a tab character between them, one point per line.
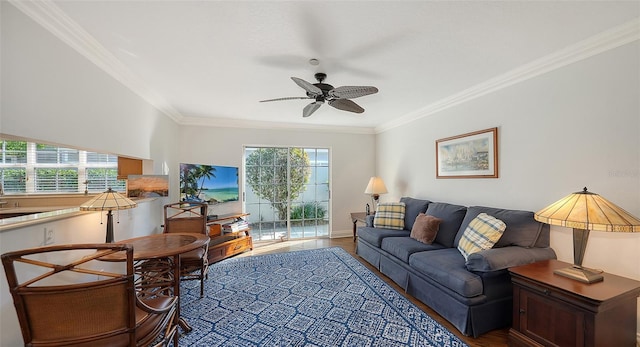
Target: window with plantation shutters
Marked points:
27	167
13	160
46	154
99	179
52	179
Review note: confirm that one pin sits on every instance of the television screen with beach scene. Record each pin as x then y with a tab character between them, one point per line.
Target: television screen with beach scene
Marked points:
147	186
212	184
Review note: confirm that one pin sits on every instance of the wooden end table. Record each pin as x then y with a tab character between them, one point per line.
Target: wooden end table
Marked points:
552	310
355	218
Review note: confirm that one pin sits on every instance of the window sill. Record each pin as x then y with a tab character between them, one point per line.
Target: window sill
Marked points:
33	215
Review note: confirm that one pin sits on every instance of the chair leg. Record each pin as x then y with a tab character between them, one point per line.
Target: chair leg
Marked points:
202	282
176	338
204	273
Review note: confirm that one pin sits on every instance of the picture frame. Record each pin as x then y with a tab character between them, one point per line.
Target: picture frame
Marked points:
147	186
470	155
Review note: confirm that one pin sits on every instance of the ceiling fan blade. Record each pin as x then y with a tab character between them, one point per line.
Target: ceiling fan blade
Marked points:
309	109
312	90
346	105
287	98
350	92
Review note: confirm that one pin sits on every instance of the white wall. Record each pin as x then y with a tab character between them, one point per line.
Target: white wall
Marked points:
352	161
570	128
53	94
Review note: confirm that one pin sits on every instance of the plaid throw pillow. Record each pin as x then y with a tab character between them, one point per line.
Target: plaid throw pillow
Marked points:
482	233
390	215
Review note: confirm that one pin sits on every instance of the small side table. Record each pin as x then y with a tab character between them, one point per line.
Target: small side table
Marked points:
355	218
551	310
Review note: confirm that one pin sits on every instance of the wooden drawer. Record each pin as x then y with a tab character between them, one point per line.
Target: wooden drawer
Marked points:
223	250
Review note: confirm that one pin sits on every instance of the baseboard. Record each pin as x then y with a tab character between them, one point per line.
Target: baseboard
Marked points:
335	234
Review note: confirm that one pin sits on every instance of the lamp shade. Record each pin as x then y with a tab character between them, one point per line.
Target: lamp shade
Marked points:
108	201
376	186
590	211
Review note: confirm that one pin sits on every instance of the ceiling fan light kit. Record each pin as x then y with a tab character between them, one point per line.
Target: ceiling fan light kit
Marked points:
336	97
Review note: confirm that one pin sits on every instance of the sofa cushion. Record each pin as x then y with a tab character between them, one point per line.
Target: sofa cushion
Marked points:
522	230
390	215
413	207
374	236
425	228
447	268
482	233
403	247
452	216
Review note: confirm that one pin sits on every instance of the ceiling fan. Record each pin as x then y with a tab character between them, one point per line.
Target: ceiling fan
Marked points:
336	97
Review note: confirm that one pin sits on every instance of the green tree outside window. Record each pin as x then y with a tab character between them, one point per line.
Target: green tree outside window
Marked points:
270	182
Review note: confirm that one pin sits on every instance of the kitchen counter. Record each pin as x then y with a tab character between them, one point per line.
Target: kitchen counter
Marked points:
34	215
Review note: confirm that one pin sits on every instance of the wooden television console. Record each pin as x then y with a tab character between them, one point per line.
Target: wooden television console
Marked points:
224	244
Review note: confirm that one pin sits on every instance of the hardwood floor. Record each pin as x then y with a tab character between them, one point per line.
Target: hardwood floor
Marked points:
496	338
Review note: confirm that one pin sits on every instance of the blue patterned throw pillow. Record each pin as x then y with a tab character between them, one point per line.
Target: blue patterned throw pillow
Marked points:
390	215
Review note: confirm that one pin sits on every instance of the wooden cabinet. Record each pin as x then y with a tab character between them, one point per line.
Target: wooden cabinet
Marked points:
226	244
128	166
551	310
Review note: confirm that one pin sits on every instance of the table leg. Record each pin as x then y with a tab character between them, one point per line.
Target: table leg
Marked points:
176	273
355	221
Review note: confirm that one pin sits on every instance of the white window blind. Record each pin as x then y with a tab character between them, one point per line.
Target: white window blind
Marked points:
27	167
13	173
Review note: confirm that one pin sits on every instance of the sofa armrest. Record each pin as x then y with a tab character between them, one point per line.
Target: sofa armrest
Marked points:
506	257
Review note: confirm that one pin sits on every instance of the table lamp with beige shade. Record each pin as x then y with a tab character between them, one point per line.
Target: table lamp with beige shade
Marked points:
585	211
108	201
375	188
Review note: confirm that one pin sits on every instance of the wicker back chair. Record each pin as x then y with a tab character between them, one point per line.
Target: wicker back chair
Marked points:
64	297
189	217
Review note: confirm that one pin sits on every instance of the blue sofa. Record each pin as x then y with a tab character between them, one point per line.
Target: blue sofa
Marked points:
474	295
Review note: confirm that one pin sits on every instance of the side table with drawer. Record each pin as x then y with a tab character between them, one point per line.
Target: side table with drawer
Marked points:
552	310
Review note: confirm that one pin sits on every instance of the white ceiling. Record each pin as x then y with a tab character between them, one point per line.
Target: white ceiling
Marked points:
210	62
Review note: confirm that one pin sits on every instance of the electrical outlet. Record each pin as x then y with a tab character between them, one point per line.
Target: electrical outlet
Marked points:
49	236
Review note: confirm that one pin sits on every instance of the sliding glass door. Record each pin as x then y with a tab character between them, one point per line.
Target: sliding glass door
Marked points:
287	192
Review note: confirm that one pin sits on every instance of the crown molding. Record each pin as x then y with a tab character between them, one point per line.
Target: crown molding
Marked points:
52	18
607	40
252	124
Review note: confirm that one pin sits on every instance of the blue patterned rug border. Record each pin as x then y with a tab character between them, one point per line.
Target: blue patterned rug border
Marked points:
426	331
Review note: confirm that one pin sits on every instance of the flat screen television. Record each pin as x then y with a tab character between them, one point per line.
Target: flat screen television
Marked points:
212	184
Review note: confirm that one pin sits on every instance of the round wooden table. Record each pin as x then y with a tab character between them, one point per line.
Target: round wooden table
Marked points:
165	245
169	245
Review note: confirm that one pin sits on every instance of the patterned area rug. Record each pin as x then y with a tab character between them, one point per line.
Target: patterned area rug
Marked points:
320	297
